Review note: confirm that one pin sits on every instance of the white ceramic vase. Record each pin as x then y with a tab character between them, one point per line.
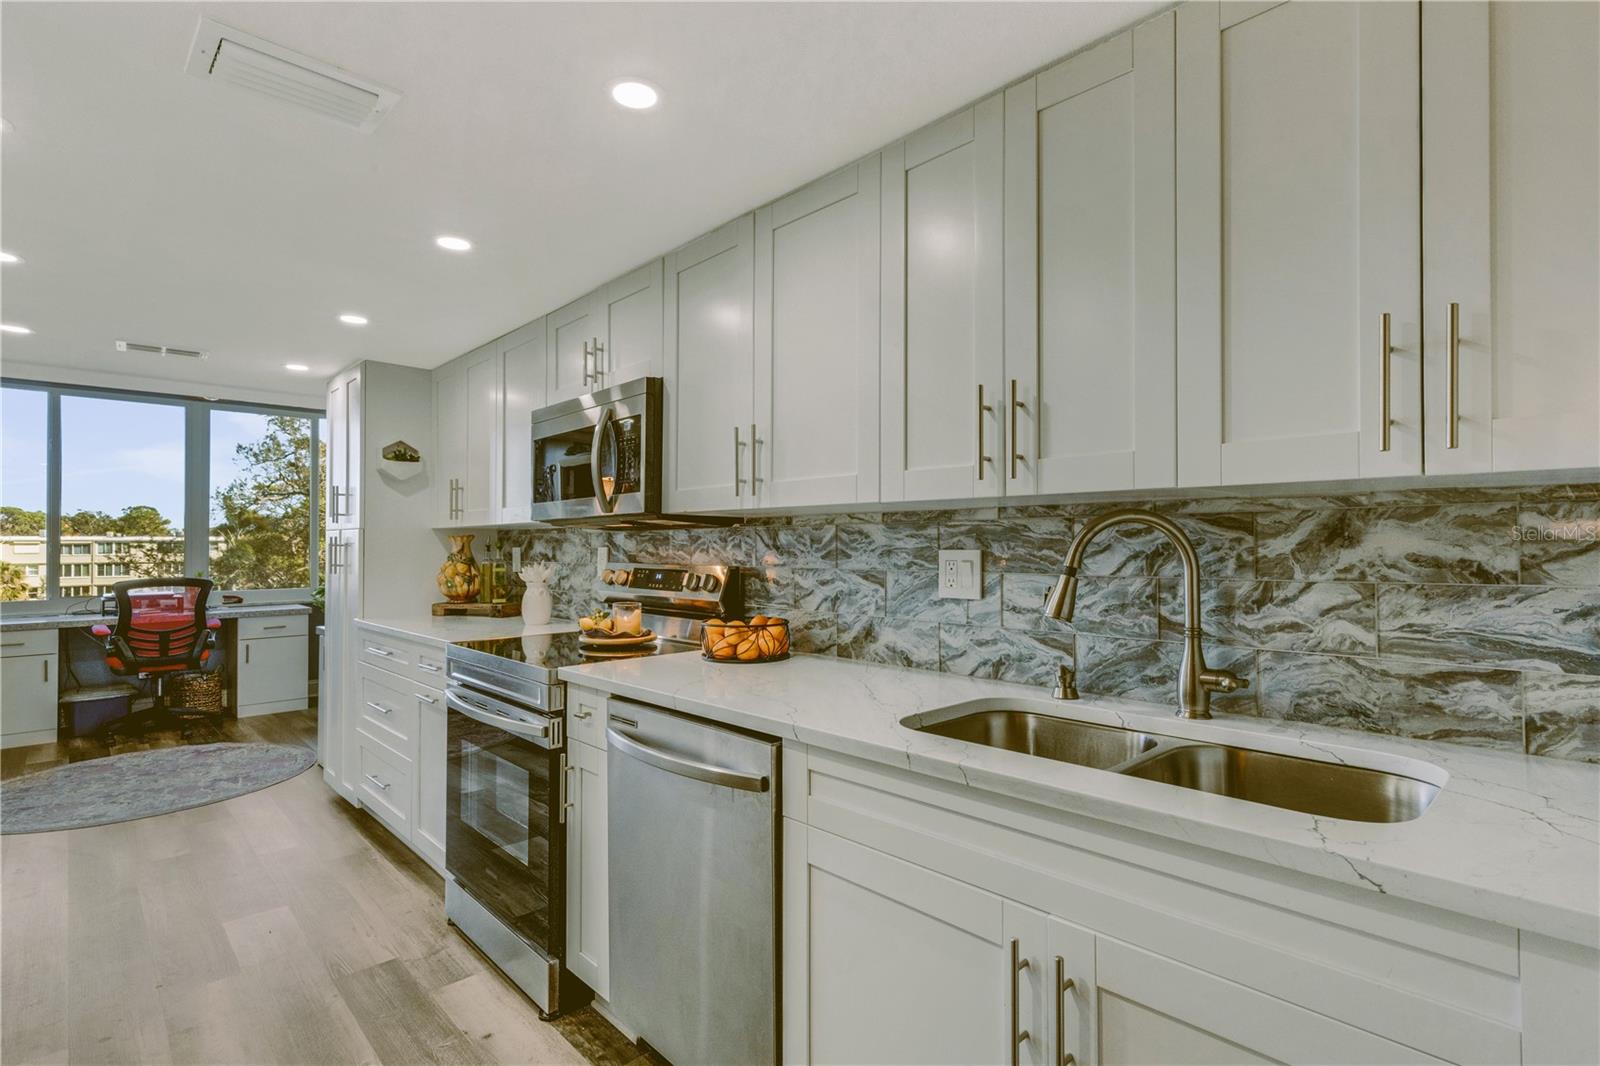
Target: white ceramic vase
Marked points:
536	605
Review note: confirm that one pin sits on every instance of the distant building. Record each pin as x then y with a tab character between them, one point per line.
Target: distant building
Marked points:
90	566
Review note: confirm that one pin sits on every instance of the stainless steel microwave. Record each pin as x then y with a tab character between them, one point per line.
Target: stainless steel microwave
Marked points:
597	461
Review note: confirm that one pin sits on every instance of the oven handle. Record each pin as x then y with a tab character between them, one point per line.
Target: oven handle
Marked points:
540	735
674	764
468	677
608	503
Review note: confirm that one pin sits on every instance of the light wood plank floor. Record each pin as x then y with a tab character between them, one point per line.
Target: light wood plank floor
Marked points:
280	927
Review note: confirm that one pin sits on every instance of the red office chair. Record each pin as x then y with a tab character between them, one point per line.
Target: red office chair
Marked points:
161	629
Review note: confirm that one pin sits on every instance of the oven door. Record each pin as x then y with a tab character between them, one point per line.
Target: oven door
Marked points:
504	839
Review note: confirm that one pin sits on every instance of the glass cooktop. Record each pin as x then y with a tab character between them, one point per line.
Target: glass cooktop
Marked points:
549	652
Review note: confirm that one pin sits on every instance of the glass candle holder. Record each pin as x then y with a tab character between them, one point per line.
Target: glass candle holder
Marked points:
626	617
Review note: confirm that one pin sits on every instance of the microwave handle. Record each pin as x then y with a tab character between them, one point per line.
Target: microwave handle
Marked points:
607	502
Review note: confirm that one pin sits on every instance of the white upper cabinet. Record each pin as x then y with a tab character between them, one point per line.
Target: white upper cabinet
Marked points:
1090	309
610	336
470	437
709	360
344	449
628	321
816	342
1511	234
942	331
569	337
1298	222
523	393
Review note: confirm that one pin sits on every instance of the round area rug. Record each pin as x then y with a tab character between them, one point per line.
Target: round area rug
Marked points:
139	784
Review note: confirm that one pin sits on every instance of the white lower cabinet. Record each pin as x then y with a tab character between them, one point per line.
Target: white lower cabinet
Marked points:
432	775
28	697
588	914
927	923
396	719
910	966
270	674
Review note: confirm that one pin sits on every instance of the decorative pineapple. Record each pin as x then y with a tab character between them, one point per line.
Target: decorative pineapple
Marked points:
458	578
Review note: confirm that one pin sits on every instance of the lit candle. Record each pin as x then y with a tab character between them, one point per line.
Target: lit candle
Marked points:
626	617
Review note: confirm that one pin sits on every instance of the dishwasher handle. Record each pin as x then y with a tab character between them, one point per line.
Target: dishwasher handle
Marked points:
676	764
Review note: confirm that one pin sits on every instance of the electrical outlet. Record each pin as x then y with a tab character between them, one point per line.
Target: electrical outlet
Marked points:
960	574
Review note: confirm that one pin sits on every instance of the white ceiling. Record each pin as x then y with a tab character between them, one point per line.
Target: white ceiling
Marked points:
154	206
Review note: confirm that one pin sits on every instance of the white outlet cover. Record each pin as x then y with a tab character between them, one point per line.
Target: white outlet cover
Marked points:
960	574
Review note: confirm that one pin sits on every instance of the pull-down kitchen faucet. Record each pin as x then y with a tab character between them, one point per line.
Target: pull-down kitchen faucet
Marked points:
1196	683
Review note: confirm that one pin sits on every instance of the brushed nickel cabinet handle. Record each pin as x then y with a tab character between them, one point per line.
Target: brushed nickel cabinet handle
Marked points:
586	362
983	459
46	664
582	714
754	478
380	651
428	667
380	708
378	781
1063	986
247	651
1384	350
737	480
1016	453
424	699
1018	1034
1452	414
598	349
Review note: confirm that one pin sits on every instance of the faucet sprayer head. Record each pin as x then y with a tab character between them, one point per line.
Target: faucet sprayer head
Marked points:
1064	596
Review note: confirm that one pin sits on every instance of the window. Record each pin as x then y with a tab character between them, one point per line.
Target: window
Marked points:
262	518
24	440
122	472
154	486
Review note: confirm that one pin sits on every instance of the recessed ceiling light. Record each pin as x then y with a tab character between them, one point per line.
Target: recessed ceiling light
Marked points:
353	319
8	257
634	95
453	244
7	327
298	368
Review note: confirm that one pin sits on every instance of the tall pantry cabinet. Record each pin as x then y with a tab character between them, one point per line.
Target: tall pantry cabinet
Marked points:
386	575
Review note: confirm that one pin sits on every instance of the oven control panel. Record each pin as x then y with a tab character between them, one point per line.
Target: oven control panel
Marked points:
712	588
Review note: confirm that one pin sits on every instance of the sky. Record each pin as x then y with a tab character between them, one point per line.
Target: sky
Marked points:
114	453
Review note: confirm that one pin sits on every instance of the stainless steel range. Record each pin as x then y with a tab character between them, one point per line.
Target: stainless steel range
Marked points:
505	844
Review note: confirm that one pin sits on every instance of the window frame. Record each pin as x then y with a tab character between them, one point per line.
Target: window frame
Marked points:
196	488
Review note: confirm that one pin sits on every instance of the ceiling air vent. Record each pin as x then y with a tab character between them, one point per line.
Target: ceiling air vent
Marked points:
159	349
222	53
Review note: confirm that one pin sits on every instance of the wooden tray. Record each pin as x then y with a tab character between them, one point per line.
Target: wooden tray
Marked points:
478	610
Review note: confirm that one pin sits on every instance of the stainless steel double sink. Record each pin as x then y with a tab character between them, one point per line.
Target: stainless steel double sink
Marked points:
1311	786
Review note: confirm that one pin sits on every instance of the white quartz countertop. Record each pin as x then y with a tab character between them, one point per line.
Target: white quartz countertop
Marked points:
1509	838
16	623
445	630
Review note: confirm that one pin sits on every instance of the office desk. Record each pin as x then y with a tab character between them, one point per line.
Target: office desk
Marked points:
264	651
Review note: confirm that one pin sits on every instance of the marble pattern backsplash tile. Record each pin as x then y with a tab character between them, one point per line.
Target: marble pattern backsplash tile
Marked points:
1469	615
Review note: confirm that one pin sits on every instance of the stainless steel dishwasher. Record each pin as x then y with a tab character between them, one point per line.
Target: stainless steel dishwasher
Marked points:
693	853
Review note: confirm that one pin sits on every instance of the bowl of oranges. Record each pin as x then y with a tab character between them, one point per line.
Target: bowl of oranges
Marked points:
760	640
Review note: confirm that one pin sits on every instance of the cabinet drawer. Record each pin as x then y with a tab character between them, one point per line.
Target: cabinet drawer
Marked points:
429	666
380	651
384	785
586	717
284	625
388	710
31	642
